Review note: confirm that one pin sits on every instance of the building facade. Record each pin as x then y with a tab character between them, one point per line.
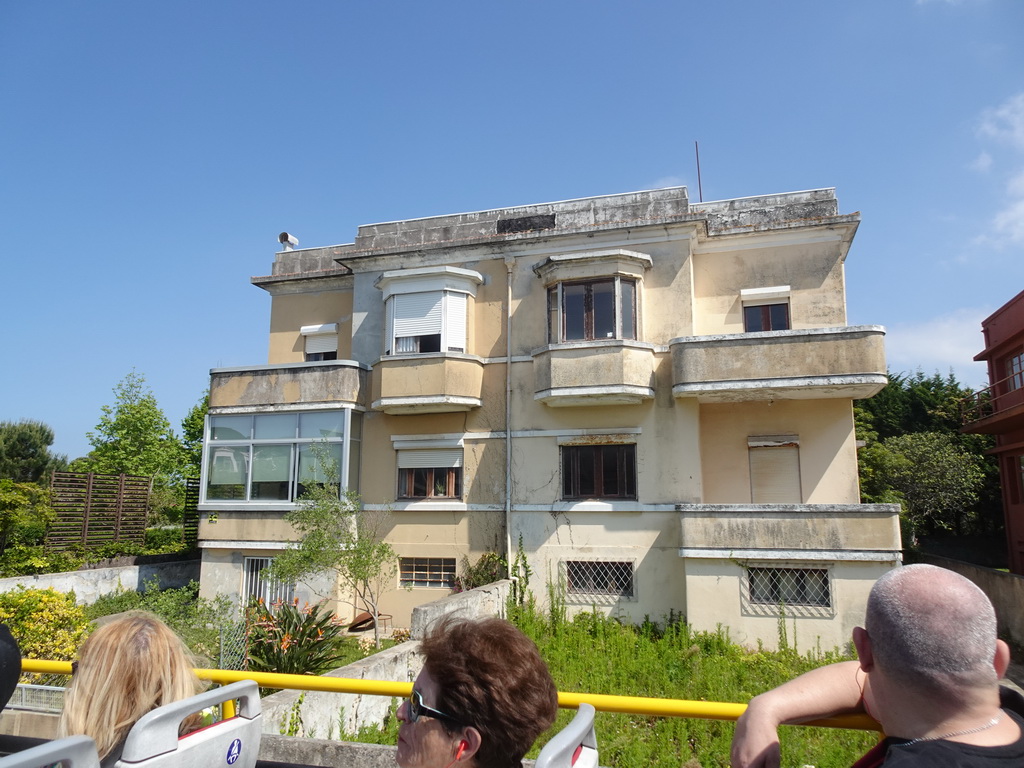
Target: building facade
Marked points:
999	410
650	398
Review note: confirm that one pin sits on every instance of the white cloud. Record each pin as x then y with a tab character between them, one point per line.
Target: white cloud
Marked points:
1005	122
1005	125
944	343
983	163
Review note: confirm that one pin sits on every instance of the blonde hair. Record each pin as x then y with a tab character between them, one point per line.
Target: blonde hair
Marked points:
125	669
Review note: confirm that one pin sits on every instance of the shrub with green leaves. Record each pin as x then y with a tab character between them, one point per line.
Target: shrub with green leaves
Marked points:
46	623
291	640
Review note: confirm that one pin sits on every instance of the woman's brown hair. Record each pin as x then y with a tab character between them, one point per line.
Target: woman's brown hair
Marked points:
491	676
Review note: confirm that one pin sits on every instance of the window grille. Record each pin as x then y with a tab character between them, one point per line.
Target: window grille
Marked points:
593	577
789	586
256	584
436	572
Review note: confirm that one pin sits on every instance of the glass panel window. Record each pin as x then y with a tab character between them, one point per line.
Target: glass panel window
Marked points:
789	586
228	472
766	317
323	425
599	471
312	469
270	457
271	472
1015	372
430	482
274	426
436	572
230	427
597	309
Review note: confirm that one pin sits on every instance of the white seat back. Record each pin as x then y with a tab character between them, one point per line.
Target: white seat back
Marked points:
153	741
575	746
73	752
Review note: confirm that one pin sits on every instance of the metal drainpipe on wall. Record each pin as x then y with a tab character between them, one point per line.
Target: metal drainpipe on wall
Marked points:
509	264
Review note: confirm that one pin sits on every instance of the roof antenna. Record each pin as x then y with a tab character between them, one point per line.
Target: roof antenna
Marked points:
700	190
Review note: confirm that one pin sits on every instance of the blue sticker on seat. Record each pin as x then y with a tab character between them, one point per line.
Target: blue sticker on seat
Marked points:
234	751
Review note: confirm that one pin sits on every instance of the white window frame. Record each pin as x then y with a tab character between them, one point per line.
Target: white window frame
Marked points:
435	298
256	584
760	297
426	572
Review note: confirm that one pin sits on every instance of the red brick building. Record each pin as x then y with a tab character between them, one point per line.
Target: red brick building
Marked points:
999	411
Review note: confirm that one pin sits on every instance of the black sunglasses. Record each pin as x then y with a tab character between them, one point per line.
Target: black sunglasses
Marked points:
417	709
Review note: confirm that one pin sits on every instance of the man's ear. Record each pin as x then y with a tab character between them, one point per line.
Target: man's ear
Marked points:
1002	659
862	642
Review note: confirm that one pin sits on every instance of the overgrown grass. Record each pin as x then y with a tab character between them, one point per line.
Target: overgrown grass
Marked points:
595	654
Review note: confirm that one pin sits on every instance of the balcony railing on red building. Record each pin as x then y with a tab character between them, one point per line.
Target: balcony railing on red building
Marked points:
994	403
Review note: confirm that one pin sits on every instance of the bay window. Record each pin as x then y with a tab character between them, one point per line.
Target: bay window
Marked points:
275	457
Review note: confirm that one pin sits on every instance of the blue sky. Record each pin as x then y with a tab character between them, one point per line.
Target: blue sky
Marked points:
150	153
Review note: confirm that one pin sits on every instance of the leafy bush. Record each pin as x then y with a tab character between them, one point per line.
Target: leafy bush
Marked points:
165	539
46	623
491	567
196	620
292	640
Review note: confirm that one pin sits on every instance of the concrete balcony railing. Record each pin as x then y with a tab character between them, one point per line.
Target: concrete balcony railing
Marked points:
332	381
777	365
836	531
613	372
432	383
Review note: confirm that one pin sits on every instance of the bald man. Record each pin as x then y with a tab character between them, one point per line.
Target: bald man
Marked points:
928	669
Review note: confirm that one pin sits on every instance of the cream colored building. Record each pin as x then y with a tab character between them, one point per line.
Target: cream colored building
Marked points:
653	396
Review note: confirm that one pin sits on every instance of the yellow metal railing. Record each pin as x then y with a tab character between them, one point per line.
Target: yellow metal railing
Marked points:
707	710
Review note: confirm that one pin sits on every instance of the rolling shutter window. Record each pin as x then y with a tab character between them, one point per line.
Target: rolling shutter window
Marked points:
435	457
775	474
417	314
455	312
321	342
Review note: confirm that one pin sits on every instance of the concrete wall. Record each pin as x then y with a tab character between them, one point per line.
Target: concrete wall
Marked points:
91	584
326	714
1005	590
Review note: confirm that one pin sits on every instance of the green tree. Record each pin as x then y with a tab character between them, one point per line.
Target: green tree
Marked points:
134	436
936	481
337	536
25	455
192	428
918	404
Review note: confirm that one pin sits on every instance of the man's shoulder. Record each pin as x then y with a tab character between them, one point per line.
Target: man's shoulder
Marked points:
949	754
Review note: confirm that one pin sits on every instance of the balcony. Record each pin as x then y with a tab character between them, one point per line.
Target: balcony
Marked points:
586	373
432	383
331	381
995	410
844	362
869	532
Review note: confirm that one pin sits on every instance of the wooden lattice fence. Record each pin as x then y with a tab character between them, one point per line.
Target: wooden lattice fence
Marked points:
190	514
93	510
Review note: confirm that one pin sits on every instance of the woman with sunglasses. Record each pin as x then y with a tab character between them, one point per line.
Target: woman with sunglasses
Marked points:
483	697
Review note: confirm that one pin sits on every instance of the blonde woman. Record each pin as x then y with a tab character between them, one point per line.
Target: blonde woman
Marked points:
125	669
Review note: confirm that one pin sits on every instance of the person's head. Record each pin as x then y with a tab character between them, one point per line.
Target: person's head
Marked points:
931	629
490	693
125	669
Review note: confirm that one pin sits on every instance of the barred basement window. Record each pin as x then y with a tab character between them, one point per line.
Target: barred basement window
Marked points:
590	577
258	585
789	586
426	572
